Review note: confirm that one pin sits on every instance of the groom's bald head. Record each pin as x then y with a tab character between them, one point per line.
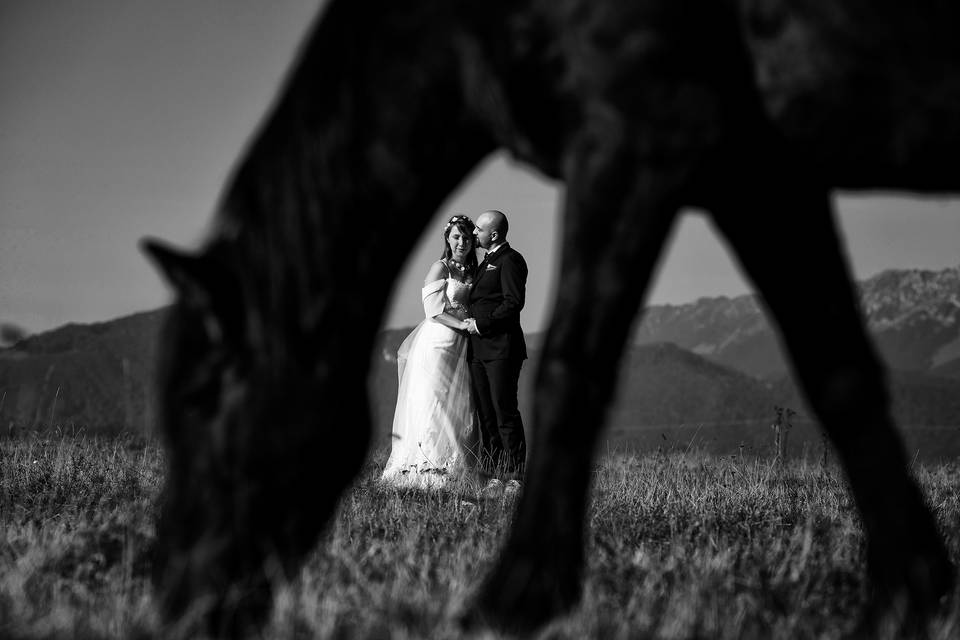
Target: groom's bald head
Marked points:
497	222
491	229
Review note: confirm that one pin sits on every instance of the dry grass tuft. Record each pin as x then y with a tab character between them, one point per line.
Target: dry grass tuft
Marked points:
681	545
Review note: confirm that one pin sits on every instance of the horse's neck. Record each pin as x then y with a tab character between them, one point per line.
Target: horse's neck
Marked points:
371	131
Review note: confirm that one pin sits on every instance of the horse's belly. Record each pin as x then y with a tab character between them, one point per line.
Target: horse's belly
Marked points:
870	101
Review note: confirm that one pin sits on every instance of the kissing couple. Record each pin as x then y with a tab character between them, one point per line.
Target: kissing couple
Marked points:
457	413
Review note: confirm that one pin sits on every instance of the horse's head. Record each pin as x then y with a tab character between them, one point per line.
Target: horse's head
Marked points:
255	464
204	357
234	370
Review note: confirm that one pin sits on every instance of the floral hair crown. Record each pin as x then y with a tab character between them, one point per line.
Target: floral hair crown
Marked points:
454	220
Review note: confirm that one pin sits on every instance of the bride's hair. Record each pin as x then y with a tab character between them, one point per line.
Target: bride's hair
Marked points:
466	226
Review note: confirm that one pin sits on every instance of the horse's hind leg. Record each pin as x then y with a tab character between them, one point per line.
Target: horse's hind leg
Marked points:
788	244
615	225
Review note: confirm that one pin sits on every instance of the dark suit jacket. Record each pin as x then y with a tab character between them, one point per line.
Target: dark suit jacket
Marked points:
497	297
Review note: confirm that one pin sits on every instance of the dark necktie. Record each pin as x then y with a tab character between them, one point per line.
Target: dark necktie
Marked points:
481	267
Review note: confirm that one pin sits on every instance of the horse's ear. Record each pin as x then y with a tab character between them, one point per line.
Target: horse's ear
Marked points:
182	270
192	278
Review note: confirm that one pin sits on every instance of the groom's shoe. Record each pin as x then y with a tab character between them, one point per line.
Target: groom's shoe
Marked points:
512	489
494	489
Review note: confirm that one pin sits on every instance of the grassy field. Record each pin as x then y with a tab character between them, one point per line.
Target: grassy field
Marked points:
681	545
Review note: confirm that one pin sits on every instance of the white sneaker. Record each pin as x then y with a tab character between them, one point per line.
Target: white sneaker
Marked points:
512	488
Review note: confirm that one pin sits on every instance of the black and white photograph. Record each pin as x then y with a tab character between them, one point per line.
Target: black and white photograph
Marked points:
552	319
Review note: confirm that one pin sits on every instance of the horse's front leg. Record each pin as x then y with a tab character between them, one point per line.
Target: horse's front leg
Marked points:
808	289
616	222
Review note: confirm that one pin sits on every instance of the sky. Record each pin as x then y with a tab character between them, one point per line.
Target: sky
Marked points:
121	119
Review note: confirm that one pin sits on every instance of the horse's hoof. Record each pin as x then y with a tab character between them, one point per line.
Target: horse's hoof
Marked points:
905	600
520	598
918	576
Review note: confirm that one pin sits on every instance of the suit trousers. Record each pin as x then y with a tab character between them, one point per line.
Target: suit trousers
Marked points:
494	385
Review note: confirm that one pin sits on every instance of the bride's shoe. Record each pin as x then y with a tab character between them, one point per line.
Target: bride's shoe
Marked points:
494	489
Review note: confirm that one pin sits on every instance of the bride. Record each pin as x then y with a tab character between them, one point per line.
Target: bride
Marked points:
435	435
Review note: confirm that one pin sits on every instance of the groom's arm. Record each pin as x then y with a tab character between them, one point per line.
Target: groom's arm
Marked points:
513	283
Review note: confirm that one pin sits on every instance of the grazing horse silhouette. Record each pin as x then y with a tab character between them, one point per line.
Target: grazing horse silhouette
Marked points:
752	110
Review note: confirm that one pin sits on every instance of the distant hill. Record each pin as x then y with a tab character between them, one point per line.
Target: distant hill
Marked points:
659	384
95	376
704	374
99	377
669	397
913	316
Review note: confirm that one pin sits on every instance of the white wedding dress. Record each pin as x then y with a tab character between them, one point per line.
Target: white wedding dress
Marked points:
435	435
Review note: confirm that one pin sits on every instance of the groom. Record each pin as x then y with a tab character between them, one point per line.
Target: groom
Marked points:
497	348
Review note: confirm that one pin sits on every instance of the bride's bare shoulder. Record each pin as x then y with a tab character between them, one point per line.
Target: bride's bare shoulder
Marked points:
438	271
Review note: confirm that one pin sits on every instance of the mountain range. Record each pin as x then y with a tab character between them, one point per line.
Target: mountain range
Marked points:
707	373
913	316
